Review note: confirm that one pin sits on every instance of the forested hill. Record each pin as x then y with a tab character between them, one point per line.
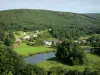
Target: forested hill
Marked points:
94	15
64	24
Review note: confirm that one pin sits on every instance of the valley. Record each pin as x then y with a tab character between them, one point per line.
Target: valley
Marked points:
45	42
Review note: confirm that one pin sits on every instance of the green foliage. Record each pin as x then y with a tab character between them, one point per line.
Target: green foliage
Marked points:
2	36
63	24
7	38
26	50
12	64
11	36
95	43
31	43
70	53
96	51
9	60
8	42
62	71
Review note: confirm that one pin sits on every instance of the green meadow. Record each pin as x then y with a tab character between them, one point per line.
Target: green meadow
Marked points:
26	50
93	63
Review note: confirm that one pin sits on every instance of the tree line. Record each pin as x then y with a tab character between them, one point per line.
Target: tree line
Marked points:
63	24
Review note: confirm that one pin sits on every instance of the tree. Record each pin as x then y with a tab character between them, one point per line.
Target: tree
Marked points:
70	53
95	43
8	42
11	36
10	61
2	36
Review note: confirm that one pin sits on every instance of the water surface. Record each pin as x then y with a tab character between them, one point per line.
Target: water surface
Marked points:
34	59
39	57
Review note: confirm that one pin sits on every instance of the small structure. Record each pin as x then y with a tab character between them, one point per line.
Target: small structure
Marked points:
17	44
24	33
34	36
37	32
80	41
48	43
18	39
27	37
84	41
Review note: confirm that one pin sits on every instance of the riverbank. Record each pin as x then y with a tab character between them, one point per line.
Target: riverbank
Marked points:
26	50
93	63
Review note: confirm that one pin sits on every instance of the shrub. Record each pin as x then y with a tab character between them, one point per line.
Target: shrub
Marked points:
70	53
10	61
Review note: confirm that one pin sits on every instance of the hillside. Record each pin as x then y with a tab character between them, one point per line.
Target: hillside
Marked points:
64	24
94	15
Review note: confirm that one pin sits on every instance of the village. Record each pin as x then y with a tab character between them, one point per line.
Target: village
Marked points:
29	37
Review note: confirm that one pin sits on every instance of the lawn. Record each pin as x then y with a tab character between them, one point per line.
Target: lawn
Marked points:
26	50
93	62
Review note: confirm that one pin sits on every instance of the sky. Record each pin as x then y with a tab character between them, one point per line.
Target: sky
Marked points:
76	6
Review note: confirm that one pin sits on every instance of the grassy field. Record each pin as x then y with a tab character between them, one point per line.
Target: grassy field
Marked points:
93	62
26	50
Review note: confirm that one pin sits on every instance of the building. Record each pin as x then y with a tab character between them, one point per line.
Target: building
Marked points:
24	33
48	43
27	37
34	36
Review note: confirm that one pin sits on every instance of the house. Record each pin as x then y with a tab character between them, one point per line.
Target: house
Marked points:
84	41
34	36
18	39
52	42
49	43
24	33
80	41
55	42
37	32
27	37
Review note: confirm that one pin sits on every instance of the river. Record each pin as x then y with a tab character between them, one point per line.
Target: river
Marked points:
41	57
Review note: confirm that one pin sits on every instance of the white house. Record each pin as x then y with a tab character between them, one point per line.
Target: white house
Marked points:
24	33
34	35
84	41
18	39
27	37
37	32
49	43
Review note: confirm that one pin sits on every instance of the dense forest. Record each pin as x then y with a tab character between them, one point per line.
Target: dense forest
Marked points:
62	24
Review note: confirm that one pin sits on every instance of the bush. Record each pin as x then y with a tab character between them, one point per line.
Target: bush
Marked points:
57	71
70	53
10	61
31	43
62	71
96	51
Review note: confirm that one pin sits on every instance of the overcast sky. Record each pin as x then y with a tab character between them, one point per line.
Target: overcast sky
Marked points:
77	6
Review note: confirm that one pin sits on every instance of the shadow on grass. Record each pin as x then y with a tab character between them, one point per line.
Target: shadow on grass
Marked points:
56	60
59	61
52	59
